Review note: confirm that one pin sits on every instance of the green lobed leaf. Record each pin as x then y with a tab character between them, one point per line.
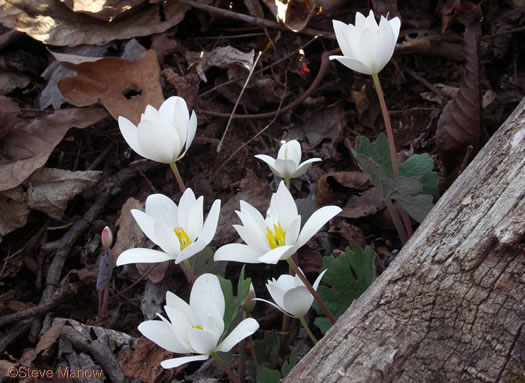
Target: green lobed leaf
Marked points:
349	275
267	349
422	165
288	365
381	155
268	375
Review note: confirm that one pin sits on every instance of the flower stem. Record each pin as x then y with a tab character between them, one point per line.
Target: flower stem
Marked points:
307	329
220	362
397	221
189	271
173	166
311	290
287	181
388	125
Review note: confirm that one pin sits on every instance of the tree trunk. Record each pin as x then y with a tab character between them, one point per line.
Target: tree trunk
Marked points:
451	307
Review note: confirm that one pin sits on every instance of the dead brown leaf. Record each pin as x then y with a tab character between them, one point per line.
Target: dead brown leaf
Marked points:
334	187
10	81
51	22
144	364
8	112
294	14
125	88
129	234
44	344
105	10
28	146
368	203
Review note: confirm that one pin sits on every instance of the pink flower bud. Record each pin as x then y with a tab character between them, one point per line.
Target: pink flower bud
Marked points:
106	237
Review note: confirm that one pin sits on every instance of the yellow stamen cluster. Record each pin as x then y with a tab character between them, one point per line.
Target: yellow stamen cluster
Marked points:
197	327
184	240
276	237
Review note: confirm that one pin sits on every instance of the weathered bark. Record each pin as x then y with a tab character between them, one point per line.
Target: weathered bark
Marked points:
451	307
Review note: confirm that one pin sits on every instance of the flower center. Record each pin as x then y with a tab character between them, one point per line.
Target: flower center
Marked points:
197	327
184	240
276	237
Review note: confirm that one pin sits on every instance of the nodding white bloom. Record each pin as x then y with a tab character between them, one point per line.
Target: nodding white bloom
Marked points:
198	327
180	231
291	295
366	46
161	135
287	164
278	236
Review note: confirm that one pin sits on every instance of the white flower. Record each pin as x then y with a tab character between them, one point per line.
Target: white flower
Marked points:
196	328
161	135
291	295
278	236
366	47
287	164
180	231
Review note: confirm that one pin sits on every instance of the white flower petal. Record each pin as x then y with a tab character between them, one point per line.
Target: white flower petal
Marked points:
185	207
237	252
176	362
129	131
159	332
291	150
318	280
253	239
367	50
145	223
179	304
206	287
192	129
292	232
162	208
195	219
360	19
395	24
342	36
316	221
243	330
297	301
157	141
275	305
285	205
277	254
202	341
285	167
142	256
166	238
268	160
180	326
303	168
385	43
352	63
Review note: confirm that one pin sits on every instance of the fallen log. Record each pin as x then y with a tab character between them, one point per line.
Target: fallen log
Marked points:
451	307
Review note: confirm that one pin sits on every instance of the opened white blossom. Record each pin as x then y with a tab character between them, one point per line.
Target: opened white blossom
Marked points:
291	295
198	327
287	164
366	46
278	236
180	231
162	135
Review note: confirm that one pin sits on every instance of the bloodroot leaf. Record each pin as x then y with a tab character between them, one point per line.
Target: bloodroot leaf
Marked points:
459	124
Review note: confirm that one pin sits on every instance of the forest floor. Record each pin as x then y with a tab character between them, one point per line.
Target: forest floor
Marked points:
424	74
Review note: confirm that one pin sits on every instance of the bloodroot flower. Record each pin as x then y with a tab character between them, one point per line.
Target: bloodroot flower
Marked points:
366	46
278	236
198	327
180	231
162	135
287	164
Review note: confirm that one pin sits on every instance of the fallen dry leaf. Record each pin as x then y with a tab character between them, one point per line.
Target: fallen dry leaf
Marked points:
129	234
294	14
144	364
28	146
236	61
44	344
334	187
8	112
51	22
47	190
125	88
105	10
10	81
459	124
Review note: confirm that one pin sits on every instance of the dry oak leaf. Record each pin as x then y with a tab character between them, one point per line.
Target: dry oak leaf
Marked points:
8	112
125	88
105	10
51	22
28	146
294	14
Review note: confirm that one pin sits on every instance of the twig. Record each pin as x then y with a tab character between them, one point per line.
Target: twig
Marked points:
252	20
14	333
60	296
293	104
238	99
